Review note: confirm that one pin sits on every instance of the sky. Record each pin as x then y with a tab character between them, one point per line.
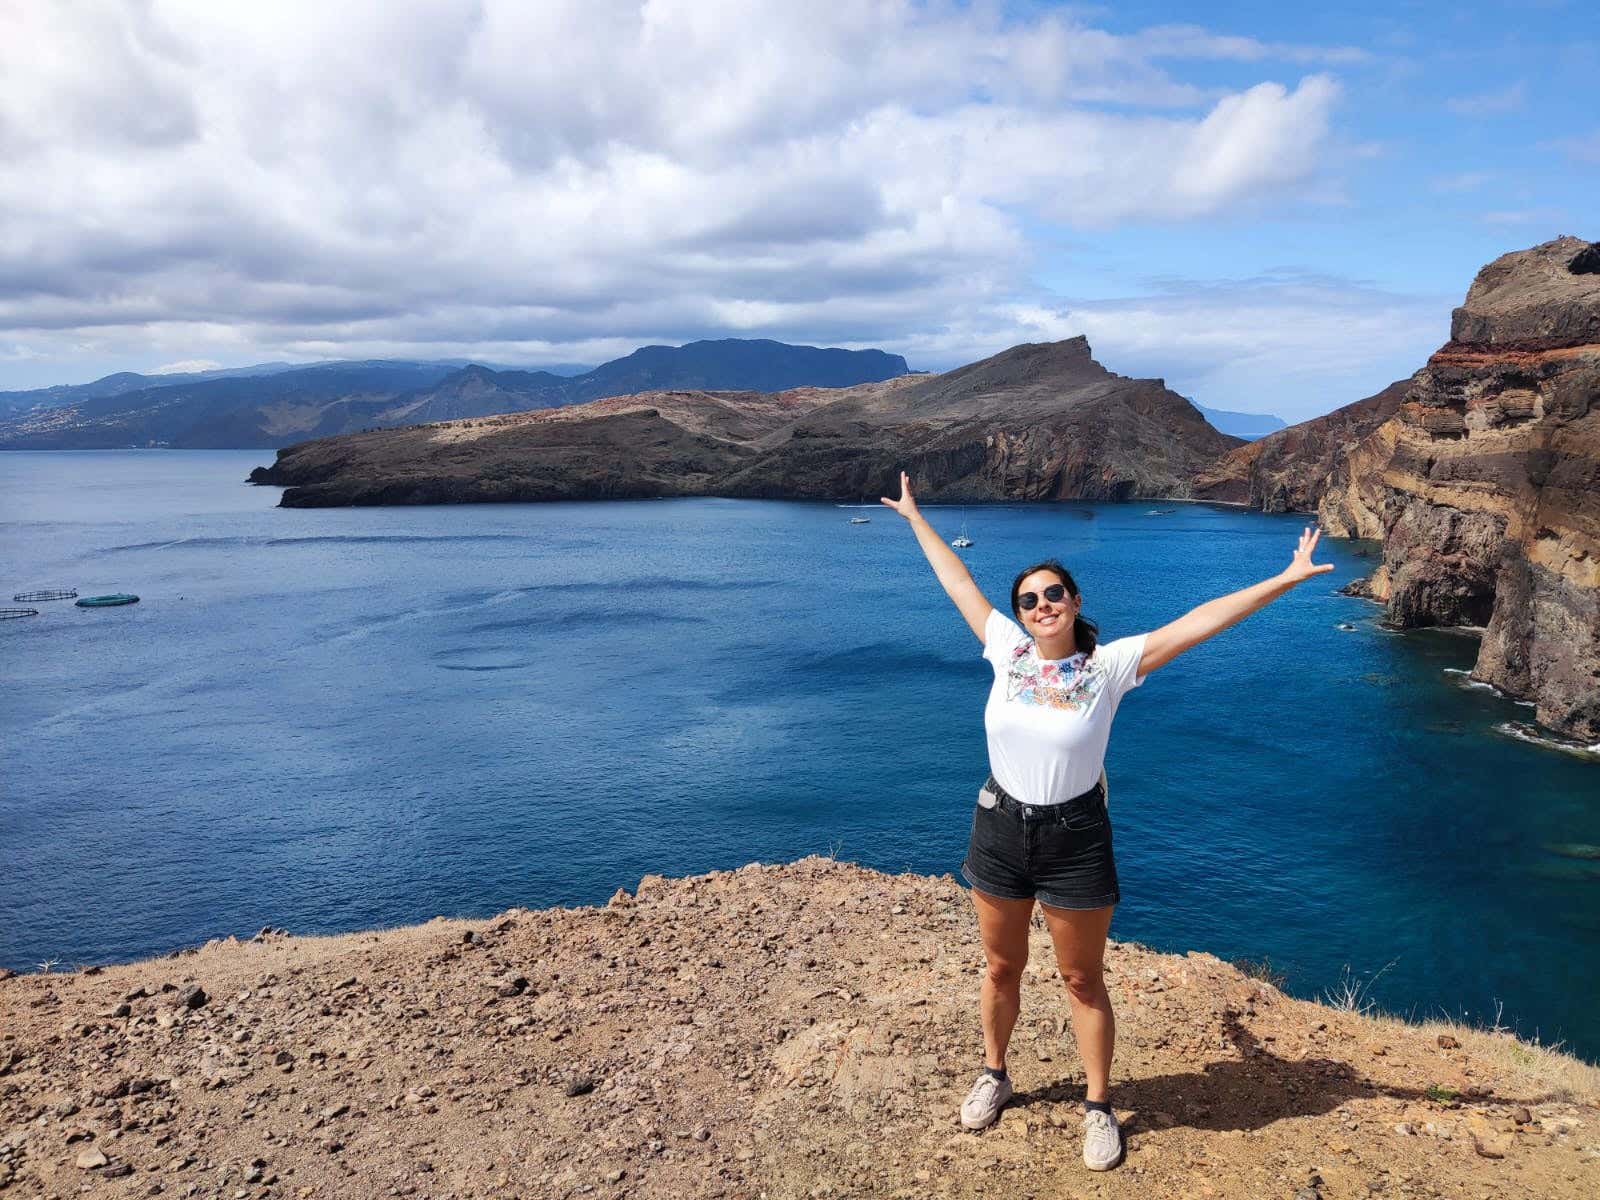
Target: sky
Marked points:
1274	210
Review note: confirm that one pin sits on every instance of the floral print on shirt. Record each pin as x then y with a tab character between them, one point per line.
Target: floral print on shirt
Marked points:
1071	683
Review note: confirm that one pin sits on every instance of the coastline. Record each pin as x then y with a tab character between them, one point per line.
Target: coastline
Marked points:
772	1030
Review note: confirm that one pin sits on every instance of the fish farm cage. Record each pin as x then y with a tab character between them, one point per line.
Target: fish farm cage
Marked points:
13	614
47	594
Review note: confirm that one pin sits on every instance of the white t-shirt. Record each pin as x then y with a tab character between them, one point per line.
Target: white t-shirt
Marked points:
1048	719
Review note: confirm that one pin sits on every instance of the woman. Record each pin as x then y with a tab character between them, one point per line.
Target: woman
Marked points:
1040	831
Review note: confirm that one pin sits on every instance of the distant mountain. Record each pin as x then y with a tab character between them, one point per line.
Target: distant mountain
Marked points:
38	399
1036	422
280	403
1246	425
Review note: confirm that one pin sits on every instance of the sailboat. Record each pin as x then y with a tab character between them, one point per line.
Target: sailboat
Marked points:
961	541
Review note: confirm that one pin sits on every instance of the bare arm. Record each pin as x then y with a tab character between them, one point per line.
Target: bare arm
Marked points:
953	575
1212	617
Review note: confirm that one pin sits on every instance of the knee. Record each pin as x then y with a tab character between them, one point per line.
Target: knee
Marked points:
1087	984
1006	973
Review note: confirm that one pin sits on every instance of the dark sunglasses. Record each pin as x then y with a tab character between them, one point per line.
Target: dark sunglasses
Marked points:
1055	593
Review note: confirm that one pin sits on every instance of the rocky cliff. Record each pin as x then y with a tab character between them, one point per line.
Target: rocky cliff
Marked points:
1290	470
791	1031
1485	484
1037	422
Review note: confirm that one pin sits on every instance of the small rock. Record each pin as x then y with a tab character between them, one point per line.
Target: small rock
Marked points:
91	1157
615	1175
193	997
1404	1129
119	1170
283	1060
1491	1145
334	1110
1446	1042
122	1010
1521	1115
702	1134
580	1085
469	937
1308	1193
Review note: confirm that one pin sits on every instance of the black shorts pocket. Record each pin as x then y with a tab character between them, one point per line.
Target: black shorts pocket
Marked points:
1085	818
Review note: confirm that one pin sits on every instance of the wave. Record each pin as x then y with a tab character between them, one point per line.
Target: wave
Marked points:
1537	737
1464	679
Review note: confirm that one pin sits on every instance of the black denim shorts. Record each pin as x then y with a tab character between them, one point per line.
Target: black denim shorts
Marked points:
1059	854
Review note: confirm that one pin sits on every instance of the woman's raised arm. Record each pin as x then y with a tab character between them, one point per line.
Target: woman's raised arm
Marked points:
1196	625
947	565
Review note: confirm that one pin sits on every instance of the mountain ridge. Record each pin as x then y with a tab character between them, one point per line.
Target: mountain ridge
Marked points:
230	408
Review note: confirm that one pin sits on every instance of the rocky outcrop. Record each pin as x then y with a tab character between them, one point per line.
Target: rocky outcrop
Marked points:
1037	422
1291	470
792	1031
1485	484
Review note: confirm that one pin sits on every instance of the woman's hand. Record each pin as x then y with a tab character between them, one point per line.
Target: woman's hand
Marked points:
1301	567
906	506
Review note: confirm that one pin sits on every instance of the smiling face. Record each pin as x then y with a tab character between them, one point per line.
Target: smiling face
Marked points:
1047	621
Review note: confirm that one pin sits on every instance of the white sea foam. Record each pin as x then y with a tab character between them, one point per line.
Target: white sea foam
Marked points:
1464	679
1537	737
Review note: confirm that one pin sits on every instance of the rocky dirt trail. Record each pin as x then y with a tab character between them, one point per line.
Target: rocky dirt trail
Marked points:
805	1030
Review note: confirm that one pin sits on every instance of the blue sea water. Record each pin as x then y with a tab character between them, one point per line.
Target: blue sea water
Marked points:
336	719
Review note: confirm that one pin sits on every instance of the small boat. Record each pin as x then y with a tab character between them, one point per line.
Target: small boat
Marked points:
961	541
110	601
1159	512
47	594
860	520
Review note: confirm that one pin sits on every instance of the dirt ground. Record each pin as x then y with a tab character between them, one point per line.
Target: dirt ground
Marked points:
805	1030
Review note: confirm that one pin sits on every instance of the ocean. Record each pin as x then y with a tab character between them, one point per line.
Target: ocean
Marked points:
338	719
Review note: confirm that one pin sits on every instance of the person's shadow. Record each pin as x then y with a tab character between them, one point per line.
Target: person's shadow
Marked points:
1246	1093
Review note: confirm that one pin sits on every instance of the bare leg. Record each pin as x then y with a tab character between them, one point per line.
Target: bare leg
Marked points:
1003	926
1080	941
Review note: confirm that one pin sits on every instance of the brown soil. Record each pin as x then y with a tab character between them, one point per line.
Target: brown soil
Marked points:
800	1030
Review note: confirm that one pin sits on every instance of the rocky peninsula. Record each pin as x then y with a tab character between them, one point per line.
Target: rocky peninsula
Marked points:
805	1030
1481	475
1036	422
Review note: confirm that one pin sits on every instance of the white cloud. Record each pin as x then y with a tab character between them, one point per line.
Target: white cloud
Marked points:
1584	149
1552	217
1293	346
185	367
300	179
1463	181
1512	98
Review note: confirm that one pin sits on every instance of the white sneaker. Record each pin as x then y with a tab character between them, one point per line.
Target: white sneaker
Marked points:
1102	1141
984	1102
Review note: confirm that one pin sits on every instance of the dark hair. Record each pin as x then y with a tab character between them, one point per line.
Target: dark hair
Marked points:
1085	633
